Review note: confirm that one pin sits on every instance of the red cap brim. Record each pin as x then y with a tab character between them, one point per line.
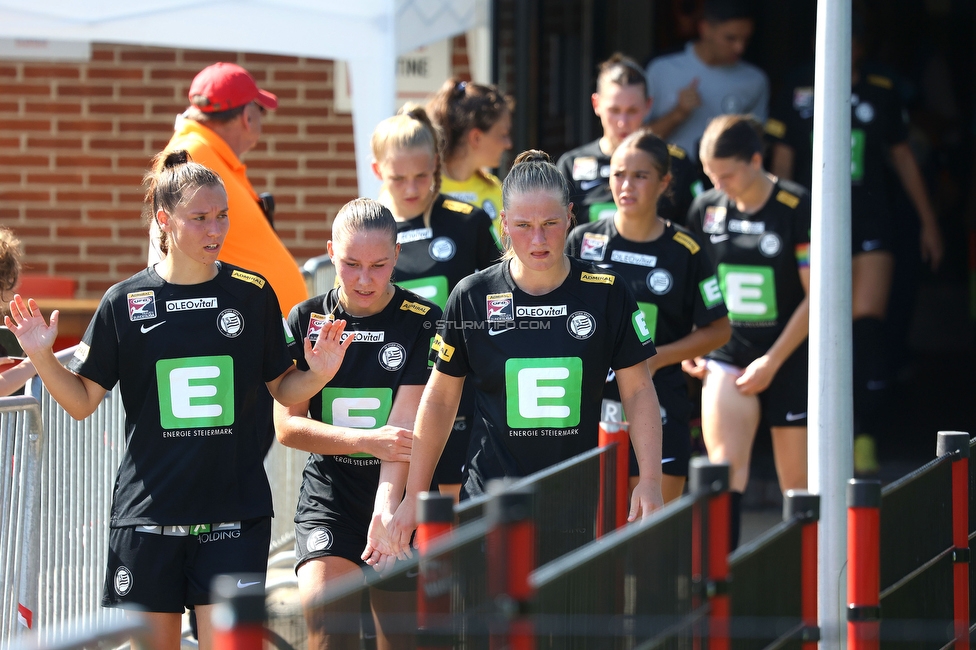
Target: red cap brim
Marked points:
266	100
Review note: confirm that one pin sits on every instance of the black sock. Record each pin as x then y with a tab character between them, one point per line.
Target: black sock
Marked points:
736	520
870	380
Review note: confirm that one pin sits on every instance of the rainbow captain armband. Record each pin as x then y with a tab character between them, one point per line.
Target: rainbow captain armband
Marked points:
803	255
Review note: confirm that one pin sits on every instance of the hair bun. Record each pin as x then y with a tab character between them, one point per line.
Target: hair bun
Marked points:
176	158
532	155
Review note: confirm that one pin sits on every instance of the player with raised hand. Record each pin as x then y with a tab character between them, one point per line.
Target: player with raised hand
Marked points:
358	427
198	347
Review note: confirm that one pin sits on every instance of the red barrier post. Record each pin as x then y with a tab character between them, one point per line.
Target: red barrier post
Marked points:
435	518
863	564
710	484
805	508
238	614
957	444
511	558
609	433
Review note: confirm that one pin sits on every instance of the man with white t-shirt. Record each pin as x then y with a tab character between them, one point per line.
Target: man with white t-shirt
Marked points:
708	78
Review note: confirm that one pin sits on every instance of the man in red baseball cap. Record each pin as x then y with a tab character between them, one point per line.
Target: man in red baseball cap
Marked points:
223	123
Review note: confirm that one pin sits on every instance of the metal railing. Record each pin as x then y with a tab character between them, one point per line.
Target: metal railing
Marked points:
320	275
76	482
21	442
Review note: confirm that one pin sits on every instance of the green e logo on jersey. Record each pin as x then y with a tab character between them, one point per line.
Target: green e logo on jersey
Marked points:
640	324
195	392
357	408
433	289
543	392
710	292
750	292
648	312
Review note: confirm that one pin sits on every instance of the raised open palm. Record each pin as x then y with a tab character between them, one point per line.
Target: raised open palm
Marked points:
325	357
28	324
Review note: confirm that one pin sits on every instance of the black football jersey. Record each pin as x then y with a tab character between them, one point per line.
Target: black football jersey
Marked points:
587	169
537	363
878	122
192	362
757	257
459	241
391	349
672	279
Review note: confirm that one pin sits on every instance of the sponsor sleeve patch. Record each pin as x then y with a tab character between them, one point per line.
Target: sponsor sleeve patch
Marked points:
256	280
710	292
791	200
457	206
289	336
414	307
775	128
677	152
444	351
81	352
598	278
688	242
640	326
880	81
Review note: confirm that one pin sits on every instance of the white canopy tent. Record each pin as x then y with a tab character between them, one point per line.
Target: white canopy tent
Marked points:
368	34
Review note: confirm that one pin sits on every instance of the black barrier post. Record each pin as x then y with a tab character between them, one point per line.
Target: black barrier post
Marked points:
239	613
511	558
435	517
957	444
711	538
804	507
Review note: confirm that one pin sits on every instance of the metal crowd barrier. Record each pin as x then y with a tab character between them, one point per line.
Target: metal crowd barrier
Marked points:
284	466
76	482
771	609
21	443
573	504
320	275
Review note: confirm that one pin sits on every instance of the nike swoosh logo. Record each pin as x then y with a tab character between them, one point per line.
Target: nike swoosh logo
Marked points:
497	332
145	329
717	238
668	460
242	585
413	573
589	185
793	417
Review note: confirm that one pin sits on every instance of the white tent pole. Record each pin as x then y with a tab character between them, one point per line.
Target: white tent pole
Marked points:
830	397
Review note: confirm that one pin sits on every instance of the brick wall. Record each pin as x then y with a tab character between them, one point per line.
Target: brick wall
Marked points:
75	140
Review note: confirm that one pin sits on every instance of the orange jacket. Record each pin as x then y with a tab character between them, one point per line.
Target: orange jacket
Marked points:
251	242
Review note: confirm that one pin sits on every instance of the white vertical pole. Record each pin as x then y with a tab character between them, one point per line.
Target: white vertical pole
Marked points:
830	397
373	79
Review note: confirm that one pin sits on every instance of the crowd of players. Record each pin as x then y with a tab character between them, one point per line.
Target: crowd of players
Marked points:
478	329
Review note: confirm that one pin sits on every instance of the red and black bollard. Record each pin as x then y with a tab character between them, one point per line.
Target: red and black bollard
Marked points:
805	507
711	538
863	564
435	518
511	559
957	444
615	433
